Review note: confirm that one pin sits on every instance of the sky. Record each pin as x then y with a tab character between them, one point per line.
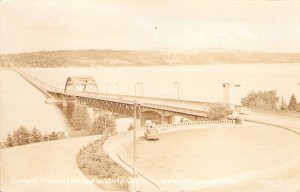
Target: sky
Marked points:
173	25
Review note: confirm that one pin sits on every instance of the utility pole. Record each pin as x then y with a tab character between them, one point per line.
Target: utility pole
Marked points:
134	137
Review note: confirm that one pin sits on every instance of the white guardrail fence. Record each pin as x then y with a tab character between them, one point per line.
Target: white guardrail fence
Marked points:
194	124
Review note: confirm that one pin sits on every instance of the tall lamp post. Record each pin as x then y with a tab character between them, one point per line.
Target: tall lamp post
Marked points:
177	83
136	114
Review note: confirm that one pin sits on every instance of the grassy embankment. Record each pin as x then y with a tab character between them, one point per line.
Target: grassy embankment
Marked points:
97	166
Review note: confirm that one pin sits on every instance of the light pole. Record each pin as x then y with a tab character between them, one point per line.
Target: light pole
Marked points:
141	86
136	126
177	83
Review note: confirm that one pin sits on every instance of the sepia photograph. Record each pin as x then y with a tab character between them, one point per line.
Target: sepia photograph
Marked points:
150	96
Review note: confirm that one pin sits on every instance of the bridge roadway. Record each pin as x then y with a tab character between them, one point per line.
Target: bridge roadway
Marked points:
189	108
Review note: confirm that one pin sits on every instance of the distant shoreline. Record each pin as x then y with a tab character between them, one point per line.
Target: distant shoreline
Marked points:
143	66
113	58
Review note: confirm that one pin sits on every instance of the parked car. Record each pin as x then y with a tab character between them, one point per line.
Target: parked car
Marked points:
151	134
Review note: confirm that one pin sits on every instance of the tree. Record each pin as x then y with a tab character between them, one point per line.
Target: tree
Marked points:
293	103
53	136
218	111
21	136
104	123
80	118
261	99
9	141
36	135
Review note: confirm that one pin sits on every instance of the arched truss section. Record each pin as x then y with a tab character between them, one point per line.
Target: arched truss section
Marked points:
80	84
157	111
150	113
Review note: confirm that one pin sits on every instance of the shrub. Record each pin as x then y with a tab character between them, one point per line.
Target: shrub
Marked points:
293	103
80	118
9	141
93	159
21	136
36	135
104	123
261	99
53	136
219	111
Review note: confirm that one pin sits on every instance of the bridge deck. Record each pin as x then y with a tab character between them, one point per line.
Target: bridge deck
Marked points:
178	106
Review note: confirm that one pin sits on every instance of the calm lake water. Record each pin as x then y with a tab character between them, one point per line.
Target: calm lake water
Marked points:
22	104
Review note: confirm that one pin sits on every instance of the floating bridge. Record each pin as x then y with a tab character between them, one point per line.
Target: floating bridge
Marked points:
84	90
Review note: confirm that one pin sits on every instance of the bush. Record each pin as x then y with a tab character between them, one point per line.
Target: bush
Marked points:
293	103
93	159
9	141
21	136
36	135
104	123
80	118
261	99
219	111
53	136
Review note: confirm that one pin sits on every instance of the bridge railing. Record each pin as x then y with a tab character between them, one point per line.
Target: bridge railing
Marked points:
38	83
194	124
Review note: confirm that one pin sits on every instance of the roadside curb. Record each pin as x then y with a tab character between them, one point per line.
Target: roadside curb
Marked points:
249	177
114	142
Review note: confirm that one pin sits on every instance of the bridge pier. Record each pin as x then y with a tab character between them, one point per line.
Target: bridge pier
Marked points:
76	101
163	117
64	101
171	119
94	115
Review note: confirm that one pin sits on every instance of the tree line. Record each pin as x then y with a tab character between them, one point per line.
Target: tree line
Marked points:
86	58
270	100
24	136
81	120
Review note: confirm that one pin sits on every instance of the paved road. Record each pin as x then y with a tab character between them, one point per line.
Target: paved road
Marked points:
47	167
194	105
292	123
112	146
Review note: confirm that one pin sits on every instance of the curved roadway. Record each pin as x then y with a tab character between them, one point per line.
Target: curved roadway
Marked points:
289	123
51	166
